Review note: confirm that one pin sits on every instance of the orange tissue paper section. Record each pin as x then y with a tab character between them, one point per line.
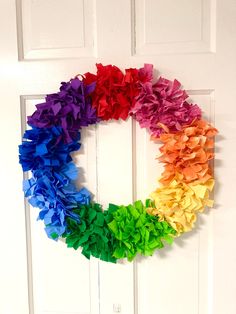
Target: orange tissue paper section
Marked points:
187	179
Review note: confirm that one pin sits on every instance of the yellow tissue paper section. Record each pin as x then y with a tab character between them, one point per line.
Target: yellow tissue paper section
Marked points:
178	203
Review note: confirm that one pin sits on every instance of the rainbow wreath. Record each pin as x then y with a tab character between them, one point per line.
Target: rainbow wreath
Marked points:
120	231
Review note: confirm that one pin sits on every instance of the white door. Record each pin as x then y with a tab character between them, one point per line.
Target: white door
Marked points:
44	42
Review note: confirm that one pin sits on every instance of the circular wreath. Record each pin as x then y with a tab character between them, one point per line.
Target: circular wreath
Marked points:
120	231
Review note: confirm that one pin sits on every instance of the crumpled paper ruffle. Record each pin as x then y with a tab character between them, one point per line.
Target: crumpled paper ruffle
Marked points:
44	147
55	196
92	234
115	92
137	232
162	107
119	231
69	109
178	203
188	153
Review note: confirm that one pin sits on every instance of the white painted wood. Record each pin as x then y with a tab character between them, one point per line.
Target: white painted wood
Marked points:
170	27
13	262
114	161
194	43
52	29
